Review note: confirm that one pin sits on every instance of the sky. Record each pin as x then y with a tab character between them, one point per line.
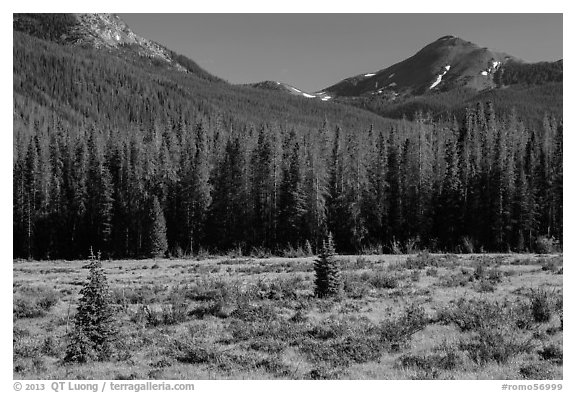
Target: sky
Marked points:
314	51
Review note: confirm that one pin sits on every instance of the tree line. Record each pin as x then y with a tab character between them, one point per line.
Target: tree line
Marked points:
195	184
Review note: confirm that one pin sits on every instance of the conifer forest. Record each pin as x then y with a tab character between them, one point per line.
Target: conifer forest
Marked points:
478	183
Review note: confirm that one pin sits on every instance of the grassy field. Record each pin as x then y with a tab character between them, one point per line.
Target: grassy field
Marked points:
399	317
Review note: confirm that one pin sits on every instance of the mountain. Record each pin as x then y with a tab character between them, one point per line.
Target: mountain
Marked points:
93	67
286	88
449	74
447	63
102	31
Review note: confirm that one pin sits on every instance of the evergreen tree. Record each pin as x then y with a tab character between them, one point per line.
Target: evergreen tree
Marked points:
354	183
200	189
32	196
99	189
327	280
557	185
157	243
450	202
520	207
393	223
374	198
228	208
292	206
94	326
263	191
335	204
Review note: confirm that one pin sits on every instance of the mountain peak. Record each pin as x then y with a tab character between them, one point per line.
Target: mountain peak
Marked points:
444	64
93	30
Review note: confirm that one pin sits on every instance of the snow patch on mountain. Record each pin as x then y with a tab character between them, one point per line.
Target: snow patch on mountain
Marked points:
439	77
369	74
492	68
308	95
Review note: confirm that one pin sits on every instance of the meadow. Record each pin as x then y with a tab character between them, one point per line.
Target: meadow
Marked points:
419	316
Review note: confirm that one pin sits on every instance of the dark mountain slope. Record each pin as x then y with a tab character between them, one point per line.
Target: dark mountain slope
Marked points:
123	88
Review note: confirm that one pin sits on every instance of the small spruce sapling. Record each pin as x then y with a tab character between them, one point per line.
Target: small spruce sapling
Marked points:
327	268
94	328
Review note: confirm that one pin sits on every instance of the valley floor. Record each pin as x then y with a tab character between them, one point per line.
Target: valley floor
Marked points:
422	316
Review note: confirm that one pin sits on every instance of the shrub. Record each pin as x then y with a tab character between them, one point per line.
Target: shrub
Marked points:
249	313
395	247
34	302
536	371
359	263
424	259
412	245
495	343
197	352
328	281
458	279
485	286
420	261
545	245
467	245
322	372
494	275
341	341
372	249
94	329
396	333
260	252
355	286
542	303
169	314
26	308
479	271
308	248
268	344
444	357
139	295
215	308
299	316
211	290
380	280
280	289
292	252
470	314
553	265
432	272
552	353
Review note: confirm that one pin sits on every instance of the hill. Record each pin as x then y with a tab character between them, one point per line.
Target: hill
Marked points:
121	78
451	74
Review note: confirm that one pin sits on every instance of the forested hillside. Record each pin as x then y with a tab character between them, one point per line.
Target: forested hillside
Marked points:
132	158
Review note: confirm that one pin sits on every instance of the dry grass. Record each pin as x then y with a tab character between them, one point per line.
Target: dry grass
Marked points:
400	317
